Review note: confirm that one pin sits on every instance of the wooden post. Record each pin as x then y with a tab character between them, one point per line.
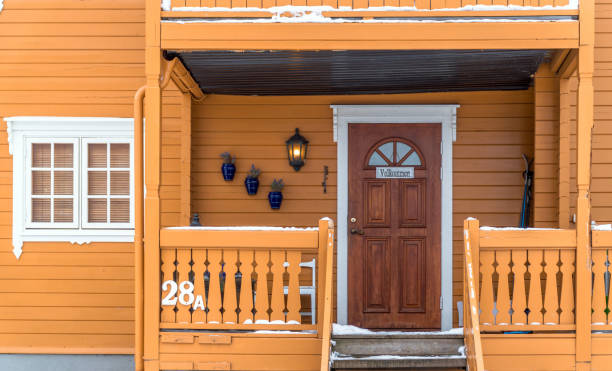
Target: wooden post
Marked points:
186	159
152	177
584	126
324	226
564	152
328	296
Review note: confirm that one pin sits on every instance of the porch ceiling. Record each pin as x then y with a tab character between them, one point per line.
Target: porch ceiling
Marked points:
360	71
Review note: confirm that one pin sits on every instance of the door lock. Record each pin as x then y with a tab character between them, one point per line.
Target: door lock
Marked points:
353	220
357	231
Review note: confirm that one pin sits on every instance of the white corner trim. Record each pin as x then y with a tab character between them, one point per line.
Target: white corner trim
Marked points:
445	115
22	127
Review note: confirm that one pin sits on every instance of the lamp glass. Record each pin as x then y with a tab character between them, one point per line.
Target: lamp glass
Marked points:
297	147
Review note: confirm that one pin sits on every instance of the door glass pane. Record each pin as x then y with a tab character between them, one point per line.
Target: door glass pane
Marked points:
412	160
387	150
402	149
376	160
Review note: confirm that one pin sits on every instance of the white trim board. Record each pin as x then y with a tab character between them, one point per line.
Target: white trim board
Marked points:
446	115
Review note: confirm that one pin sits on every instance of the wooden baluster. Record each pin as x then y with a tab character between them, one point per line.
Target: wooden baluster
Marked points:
535	287
599	293
293	292
503	290
168	268
230	258
199	305
486	294
519	299
183	267
214	288
551	298
277	304
261	293
568	257
246	286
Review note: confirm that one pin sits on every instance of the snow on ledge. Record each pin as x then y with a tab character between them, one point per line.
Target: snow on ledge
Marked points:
244	228
601	227
338	329
314	14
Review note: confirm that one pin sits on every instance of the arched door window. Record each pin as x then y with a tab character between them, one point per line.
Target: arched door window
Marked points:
394	152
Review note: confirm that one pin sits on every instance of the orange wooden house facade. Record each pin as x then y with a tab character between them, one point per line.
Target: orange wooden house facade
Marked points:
114	116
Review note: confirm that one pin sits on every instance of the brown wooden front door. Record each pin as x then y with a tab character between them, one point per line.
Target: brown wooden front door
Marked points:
394	226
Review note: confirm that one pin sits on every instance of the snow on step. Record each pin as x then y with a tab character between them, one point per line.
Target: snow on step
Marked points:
355	348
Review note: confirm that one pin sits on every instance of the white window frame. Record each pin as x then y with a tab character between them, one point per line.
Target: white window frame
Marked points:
27	206
85	183
26	128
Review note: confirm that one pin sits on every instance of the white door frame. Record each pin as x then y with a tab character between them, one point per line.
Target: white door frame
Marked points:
446	115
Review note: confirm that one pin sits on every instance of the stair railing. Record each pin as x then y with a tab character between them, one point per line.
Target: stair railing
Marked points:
327	240
471	320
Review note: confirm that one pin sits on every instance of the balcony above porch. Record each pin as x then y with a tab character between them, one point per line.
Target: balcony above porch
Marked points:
443	24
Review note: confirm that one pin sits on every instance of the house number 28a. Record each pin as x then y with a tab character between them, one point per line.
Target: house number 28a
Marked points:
185	295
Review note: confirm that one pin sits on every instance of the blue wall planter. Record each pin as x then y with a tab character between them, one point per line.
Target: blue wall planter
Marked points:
251	184
228	171
275	199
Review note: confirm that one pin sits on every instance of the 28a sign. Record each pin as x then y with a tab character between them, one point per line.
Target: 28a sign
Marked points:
185	295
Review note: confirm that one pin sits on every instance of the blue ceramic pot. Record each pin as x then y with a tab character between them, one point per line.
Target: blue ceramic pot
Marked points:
251	184
275	199
228	171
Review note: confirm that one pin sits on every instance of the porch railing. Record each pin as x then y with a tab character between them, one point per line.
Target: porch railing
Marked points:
241	278
524	280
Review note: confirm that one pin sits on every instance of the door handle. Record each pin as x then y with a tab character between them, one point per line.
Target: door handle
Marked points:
357	231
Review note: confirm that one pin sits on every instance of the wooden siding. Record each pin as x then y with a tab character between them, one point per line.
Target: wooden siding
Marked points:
251	352
546	149
66	58
529	352
493	130
601	183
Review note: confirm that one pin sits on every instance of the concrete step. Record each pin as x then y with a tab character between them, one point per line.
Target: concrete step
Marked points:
358	349
404	344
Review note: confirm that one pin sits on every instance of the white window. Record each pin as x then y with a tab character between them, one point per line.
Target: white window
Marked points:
72	179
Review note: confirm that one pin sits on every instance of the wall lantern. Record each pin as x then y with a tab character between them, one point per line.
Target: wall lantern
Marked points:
297	147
